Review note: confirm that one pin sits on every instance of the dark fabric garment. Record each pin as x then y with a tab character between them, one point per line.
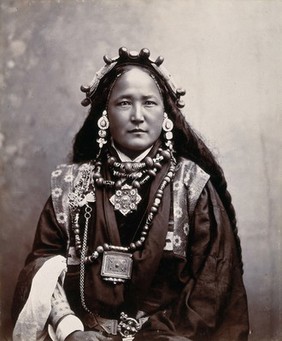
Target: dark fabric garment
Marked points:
200	297
108	299
211	302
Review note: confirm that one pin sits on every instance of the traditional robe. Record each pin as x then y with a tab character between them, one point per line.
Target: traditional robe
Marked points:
187	278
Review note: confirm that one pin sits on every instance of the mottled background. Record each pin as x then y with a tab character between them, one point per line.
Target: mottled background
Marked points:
227	54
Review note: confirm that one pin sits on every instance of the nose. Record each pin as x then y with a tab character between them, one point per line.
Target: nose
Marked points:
137	114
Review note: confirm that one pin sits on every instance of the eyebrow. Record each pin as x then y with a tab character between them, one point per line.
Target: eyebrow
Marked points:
130	96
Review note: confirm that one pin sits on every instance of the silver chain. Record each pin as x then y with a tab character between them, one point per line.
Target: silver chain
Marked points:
87	216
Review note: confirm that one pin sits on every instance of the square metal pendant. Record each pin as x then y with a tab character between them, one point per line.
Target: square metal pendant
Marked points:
125	199
116	265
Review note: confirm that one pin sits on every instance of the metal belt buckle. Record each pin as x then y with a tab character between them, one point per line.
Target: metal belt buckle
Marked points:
128	327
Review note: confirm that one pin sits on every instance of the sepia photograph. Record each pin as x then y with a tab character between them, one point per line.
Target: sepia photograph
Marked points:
140	170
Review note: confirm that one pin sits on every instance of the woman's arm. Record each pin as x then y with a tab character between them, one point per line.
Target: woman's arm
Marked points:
214	302
50	238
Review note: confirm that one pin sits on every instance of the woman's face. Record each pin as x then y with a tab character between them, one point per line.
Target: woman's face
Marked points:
135	111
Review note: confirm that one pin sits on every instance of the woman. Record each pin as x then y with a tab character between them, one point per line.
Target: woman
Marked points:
139	239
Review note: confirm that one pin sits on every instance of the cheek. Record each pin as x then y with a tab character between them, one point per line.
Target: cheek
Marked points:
157	121
116	121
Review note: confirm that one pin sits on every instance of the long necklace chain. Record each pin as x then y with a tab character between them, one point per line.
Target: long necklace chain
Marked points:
106	247
78	199
87	217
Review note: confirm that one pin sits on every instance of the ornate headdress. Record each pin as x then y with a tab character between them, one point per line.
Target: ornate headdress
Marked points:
133	57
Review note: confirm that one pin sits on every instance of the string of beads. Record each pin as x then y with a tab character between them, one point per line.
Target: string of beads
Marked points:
142	171
147	169
146	228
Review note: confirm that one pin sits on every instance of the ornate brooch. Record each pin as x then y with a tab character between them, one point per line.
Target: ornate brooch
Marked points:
125	199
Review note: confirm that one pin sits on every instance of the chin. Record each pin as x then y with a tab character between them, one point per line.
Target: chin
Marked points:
138	147
134	150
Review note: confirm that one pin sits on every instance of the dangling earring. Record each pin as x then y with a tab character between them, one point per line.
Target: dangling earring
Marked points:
167	128
103	124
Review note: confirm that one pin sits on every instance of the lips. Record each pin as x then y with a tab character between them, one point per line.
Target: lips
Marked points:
137	130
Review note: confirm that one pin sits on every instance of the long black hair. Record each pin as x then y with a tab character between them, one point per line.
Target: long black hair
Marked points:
187	143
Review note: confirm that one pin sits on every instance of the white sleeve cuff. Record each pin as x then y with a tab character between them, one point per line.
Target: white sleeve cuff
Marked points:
68	325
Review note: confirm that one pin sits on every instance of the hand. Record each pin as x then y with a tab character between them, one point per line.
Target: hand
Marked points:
87	336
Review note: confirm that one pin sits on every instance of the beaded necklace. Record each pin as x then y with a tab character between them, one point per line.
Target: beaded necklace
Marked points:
84	193
116	260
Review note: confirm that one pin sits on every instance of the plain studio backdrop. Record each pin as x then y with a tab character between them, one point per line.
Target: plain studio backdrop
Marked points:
227	54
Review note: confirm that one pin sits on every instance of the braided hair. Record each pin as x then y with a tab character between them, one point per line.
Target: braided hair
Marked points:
187	143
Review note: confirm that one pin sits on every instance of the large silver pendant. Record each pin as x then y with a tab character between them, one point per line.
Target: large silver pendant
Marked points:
116	266
125	199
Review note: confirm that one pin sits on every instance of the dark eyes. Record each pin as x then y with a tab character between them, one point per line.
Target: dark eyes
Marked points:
125	103
150	103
